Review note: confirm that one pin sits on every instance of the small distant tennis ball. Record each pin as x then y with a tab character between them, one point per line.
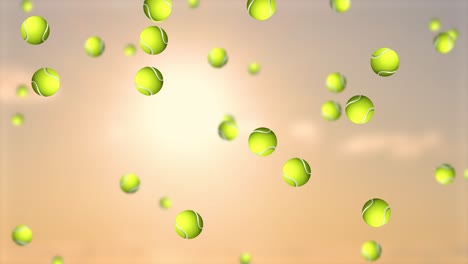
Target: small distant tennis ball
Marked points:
434	24
35	30
340	6
262	141
193	3
445	174
153	40
218	57
245	258
443	43
149	81
385	62
45	82
27	5
129	183
261	9
165	203
157	10
336	82
189	224
94	46
229	118
296	172
129	50
331	111
57	260
17	119
22	90
453	33
376	212
371	250
466	174
228	130
254	68
359	109
22	235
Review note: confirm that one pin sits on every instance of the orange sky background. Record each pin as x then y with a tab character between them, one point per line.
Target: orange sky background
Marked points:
60	171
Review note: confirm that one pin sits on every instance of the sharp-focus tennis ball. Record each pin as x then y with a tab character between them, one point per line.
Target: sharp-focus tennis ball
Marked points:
45	82
359	109
35	30
254	68
434	24
129	50
17	119
376	212
371	250
165	203
94	46
245	258
129	183
340	6
228	130
217	57
157	10
57	260
189	224
27	5
445	174
22	235
336	82
261	9
193	3
153	40
22	90
444	43
149	81
229	118
296	172
331	110
385	62
453	33
262	141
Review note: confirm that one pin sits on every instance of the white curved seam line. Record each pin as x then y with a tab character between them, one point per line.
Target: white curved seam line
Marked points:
365	209
144	44
26	30
37	88
271	8
352	102
368	111
198	220
328	117
332	87
156	73
291	179
265	150
305	167
385	215
385	51
162	36
178	227
259	131
251	3
149	13
390	72
144	88
45	31
225	59
168	4
46	72
337	106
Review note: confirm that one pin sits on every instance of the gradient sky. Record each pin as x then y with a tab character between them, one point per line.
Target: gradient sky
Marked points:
60	171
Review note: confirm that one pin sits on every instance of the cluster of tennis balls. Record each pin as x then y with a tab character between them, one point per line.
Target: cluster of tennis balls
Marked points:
444	41
445	174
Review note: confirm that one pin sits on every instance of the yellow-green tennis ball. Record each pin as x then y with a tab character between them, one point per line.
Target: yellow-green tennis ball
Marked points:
261	9
245	258
35	30
94	46
371	250
165	203
466	174
336	82
434	24
45	82
228	130
153	40
443	43
189	224
262	141
376	212
22	90
17	119
453	33
445	174
229	118
385	62
27	5
129	183
129	50
157	10
57	260
359	109
193	3
22	235
217	57
331	110
296	172
254	68
340	6
149	81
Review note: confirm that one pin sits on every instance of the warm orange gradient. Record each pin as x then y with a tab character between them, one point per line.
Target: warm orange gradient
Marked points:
60	171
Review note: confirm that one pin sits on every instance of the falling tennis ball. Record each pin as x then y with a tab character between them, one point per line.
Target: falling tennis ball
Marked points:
45	82
217	57
153	40
165	203
22	235
17	119
228	130
262	141
229	118
331	110
254	68
22	90
359	109
371	250
296	172
261	9
129	183
94	46
57	260
193	3
376	212
27	5
35	30
340	6
443	43
385	62
434	24
336	82
189	224
445	174
245	258
453	33
466	174
129	50
149	81
157	10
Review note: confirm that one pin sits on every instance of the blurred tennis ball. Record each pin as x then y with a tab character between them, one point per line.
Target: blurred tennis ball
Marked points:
385	62
466	174
45	82
336	82
157	10
261	9
331	110
129	183
443	43
245	258
229	117
94	46
27	5
254	68
129	50
189	224
165	203
17	119
22	235
453	33
296	172
371	250
228	130
217	57
35	30
434	24
445	174
153	40
262	141
359	109
57	260
149	81
22	90
340	6
376	212
193	3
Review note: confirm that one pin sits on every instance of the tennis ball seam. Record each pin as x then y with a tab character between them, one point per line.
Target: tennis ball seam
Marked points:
45	32
146	45
305	167
265	150
383	72
157	75
185	233
198	220
290	178
162	35
385	214
26	30
148	11
365	209
144	88
382	53
35	87
367	114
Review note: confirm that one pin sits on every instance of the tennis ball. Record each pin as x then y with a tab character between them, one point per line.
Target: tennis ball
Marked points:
228	130
453	33
261	9
296	172
262	141
193	3
217	57
331	110
22	235
94	46
22	90
17	119
371	250
466	174
45	82
445	174
27	5
35	30
245	258
129	50
443	43
149	81
153	40
254	68
434	24
165	203
336	82
189	224
340	6
385	62
229	118
157	10
376	212
57	260
129	183
359	109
